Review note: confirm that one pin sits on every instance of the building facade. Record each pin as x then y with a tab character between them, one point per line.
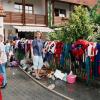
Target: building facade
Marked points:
23	12
37	13
63	8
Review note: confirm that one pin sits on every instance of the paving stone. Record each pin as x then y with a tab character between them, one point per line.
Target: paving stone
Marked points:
21	87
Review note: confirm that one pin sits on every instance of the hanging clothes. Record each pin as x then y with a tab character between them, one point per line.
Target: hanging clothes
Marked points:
65	53
97	61
58	49
21	50
78	48
51	47
66	50
87	62
28	46
91	51
1	81
58	52
48	57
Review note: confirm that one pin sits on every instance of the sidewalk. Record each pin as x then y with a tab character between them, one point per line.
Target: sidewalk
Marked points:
77	91
21	87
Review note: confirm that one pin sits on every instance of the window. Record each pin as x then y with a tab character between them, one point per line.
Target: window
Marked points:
60	12
18	8
56	12
28	8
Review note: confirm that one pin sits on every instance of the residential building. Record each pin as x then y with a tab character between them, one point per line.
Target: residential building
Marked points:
23	12
63	8
31	15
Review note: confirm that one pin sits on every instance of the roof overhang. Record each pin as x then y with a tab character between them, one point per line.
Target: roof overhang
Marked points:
82	2
33	29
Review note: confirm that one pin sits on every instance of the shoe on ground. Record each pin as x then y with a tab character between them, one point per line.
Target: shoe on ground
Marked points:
3	86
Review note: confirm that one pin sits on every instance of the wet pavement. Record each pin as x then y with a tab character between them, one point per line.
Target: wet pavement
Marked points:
77	91
21	87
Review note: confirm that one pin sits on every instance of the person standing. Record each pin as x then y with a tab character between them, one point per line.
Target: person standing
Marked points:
7	48
3	61
37	50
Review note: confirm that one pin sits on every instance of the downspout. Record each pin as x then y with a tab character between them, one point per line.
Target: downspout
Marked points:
53	3
50	16
46	12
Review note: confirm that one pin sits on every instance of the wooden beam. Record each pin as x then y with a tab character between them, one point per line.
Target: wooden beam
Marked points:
10	1
23	12
46	12
53	1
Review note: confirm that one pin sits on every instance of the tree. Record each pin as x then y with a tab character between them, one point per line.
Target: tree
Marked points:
94	37
95	16
80	24
94	13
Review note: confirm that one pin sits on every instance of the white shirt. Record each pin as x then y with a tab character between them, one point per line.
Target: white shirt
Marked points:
3	56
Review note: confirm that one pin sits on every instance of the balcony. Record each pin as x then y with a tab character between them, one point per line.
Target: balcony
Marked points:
60	20
15	17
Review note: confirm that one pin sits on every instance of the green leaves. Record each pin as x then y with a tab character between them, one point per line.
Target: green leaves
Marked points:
80	23
94	13
94	38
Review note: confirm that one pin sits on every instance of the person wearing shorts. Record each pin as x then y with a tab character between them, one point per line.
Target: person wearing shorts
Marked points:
37	50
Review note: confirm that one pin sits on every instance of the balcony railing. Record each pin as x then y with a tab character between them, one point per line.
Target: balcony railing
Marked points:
15	17
60	20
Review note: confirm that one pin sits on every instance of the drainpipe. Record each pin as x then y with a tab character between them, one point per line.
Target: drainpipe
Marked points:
50	16
23	12
53	3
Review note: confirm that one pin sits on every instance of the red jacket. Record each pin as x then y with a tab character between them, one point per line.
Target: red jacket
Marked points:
1	80
58	49
78	48
0	95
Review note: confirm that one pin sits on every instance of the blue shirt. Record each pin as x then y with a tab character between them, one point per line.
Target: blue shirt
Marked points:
7	48
37	45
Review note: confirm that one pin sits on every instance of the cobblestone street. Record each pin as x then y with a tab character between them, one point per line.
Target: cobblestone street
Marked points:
21	87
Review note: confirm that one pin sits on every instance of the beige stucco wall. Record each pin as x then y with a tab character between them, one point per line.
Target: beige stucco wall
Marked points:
38	5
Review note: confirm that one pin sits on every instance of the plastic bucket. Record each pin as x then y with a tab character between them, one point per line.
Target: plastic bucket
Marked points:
71	79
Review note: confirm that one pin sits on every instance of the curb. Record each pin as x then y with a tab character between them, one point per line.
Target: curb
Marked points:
57	93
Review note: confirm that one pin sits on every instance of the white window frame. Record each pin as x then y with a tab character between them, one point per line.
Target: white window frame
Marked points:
18	8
